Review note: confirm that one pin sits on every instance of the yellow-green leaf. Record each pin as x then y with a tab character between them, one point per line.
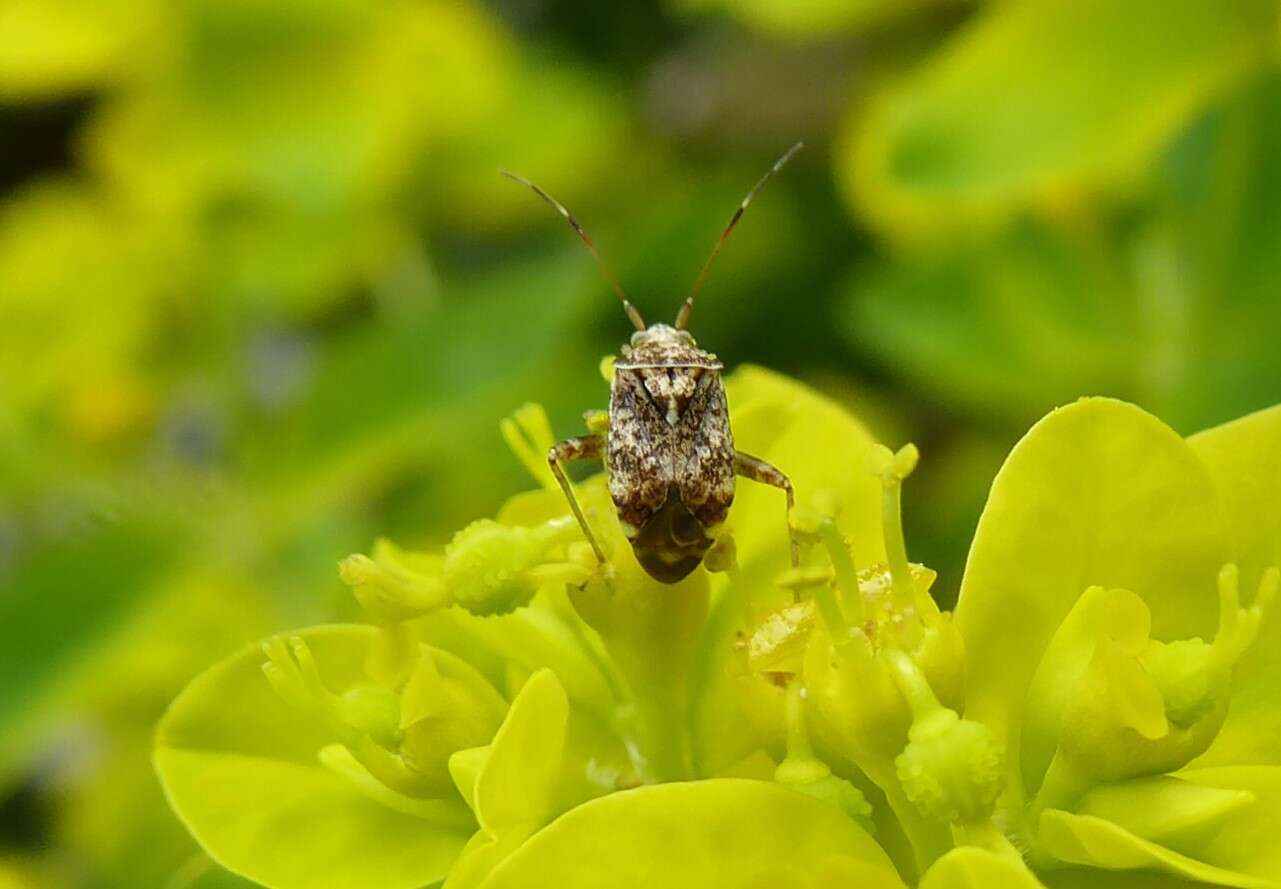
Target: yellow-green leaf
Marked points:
721	832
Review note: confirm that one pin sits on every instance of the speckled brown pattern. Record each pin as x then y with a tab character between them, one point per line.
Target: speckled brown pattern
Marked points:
669	444
669	454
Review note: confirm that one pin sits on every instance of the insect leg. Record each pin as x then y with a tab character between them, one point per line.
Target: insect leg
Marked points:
758	470
587	447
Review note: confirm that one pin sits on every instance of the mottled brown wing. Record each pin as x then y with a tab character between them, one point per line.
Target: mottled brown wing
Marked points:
704	453
637	451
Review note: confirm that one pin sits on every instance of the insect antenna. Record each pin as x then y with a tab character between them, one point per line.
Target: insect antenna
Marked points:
633	315
682	317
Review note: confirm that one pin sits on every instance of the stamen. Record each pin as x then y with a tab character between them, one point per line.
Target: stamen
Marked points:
893	468
838	550
912	684
818	580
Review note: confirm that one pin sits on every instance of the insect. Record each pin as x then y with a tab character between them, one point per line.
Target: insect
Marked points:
668	450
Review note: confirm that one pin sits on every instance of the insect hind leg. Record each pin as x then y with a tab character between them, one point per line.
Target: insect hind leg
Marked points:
758	470
586	447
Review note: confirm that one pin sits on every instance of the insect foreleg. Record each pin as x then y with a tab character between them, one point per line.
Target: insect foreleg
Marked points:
758	470
587	447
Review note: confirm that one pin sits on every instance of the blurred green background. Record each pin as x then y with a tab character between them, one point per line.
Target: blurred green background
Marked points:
263	295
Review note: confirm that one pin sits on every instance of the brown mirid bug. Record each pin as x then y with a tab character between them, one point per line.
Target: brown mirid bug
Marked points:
668	452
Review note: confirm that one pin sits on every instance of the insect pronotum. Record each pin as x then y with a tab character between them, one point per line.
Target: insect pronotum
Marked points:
668	452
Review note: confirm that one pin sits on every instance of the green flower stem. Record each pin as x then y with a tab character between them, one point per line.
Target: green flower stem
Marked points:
846	580
393	654
798	739
652	719
800	766
660	736
650	635
912	683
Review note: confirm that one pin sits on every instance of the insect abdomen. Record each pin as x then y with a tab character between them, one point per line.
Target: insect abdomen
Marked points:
672	543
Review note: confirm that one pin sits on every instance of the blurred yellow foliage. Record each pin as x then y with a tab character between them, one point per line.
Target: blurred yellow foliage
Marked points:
1034	101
